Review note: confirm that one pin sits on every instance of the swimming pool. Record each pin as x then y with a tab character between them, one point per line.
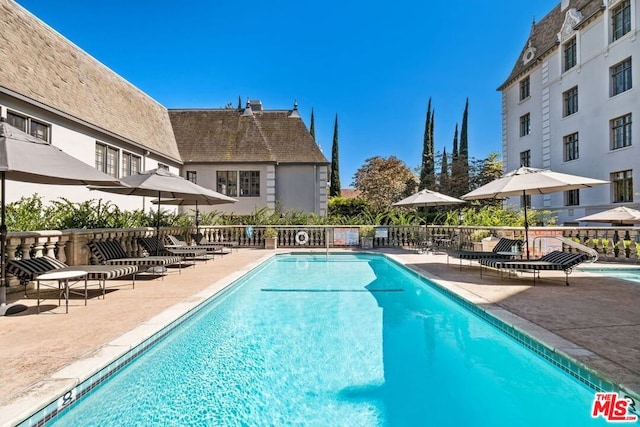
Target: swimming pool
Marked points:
631	274
335	340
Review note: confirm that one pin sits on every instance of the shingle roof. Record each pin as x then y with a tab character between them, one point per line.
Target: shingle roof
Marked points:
544	34
39	63
225	135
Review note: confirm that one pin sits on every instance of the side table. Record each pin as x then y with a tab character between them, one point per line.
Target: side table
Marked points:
62	278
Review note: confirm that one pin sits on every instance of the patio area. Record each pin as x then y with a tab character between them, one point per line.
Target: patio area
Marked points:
595	320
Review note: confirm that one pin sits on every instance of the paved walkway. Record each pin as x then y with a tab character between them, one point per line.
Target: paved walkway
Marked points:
596	320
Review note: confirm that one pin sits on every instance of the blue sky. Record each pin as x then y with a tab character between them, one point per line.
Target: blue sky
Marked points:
374	64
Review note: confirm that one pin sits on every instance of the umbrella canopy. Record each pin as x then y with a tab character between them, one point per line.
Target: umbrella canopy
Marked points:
196	202
29	159
428	198
526	181
619	215
161	183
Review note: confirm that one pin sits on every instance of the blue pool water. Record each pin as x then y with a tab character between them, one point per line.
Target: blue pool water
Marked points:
343	340
631	274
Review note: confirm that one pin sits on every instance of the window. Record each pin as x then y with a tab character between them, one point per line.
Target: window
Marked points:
621	132
227	183
621	77
525	124
107	159
249	183
27	124
569	54
570	143
130	164
621	20
192	176
525	158
622	186
525	88
572	198
570	102
163	167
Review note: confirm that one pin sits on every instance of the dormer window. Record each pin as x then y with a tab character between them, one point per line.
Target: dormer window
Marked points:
569	54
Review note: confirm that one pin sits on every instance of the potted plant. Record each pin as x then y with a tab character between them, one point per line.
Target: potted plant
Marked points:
367	233
270	238
476	238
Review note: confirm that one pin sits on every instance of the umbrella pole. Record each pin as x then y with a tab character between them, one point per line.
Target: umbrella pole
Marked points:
526	225
158	227
197	219
5	309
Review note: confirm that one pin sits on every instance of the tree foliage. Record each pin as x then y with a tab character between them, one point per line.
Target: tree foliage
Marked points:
334	188
382	181
427	169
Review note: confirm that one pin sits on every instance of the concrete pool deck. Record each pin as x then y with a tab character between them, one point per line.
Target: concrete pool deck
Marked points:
596	320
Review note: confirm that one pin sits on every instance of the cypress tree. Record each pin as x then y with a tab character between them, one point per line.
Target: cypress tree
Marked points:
444	173
312	127
464	151
239	103
334	188
427	164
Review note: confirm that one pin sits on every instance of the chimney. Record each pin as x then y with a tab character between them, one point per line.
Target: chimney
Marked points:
256	105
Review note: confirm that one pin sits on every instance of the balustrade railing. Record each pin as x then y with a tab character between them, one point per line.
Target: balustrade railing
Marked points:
620	244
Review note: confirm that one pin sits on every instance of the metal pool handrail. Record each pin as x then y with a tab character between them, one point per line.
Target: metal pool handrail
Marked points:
593	254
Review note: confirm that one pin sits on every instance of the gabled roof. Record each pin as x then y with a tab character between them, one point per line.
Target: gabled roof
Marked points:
543	38
38	63
230	135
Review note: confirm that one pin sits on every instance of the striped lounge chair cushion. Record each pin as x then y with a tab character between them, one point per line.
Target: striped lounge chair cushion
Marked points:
153	246
556	260
112	253
27	269
503	245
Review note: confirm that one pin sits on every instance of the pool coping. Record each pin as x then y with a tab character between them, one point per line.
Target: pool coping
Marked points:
39	406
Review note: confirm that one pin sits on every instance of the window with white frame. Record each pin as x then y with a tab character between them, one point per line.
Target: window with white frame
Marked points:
525	124
570	102
620	20
227	183
192	176
525	88
29	125
130	164
107	159
621	77
569	54
525	158
163	167
622	183
572	197
570	145
621	132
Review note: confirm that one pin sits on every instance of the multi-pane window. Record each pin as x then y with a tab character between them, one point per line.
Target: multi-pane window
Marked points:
249	183
107	159
525	158
621	77
572	198
622	183
130	164
525	88
570	144
525	124
621	132
227	183
569	54
192	176
570	101
621	20
27	124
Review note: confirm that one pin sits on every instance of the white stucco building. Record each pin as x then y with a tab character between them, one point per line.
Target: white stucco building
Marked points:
571	104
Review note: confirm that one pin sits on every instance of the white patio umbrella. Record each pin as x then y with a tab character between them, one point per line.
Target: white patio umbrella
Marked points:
195	201
428	198
29	159
161	183
526	181
620	215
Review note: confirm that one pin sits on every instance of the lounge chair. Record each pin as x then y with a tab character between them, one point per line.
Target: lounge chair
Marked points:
556	260
504	249
177	243
201	240
111	252
26	270
155	247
